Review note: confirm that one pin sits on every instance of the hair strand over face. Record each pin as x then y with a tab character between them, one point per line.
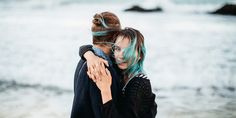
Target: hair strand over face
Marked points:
134	54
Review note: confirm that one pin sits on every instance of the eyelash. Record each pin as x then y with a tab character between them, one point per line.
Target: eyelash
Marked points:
116	48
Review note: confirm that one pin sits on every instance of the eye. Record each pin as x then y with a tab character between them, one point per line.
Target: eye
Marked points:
116	48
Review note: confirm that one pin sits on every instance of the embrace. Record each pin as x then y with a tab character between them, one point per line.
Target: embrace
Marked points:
109	80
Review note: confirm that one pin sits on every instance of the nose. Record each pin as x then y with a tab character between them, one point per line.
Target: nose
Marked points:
119	55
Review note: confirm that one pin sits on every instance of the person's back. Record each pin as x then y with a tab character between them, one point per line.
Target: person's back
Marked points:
82	105
87	101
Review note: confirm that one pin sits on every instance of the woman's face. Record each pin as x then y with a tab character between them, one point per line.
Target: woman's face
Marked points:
120	44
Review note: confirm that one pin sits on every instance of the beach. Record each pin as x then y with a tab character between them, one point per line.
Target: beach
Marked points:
191	56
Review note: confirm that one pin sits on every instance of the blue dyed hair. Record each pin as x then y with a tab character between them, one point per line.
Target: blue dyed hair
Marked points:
134	54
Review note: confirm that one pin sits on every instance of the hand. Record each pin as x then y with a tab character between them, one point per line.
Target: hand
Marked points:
102	77
103	80
94	62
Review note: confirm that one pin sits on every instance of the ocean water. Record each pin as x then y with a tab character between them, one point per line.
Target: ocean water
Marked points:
191	55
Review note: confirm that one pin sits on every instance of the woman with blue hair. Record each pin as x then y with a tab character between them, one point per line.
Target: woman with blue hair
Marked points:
136	99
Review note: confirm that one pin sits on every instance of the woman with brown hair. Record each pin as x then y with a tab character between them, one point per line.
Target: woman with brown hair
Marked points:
87	101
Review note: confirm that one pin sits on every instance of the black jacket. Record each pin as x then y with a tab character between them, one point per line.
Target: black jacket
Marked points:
87	101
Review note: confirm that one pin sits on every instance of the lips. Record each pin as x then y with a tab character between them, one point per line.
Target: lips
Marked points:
122	63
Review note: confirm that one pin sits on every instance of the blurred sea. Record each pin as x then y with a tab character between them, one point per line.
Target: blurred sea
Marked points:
191	55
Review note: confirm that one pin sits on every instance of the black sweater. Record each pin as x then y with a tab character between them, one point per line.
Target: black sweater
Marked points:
136	101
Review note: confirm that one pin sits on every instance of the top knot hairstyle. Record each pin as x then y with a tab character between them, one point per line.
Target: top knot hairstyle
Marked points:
105	26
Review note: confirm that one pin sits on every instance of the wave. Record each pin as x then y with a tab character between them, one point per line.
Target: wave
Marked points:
168	5
196	6
14	85
224	92
41	4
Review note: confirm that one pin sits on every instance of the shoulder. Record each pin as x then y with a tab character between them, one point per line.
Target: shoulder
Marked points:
138	87
81	64
143	83
142	80
138	82
81	69
142	76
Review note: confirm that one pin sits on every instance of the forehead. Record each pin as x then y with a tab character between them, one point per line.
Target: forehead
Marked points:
122	41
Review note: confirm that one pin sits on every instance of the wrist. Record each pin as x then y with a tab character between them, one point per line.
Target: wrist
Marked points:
88	54
106	91
106	95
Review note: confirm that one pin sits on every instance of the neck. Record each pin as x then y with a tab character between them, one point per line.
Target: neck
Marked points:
104	48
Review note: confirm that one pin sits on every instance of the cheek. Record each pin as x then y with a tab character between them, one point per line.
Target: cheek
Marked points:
116	55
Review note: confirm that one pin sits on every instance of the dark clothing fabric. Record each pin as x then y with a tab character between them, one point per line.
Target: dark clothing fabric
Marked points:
83	49
87	101
136	101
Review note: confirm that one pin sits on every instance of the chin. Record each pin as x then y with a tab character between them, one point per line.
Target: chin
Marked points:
122	66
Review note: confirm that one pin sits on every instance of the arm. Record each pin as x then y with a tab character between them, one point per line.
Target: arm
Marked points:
103	79
83	49
86	53
110	110
93	61
129	107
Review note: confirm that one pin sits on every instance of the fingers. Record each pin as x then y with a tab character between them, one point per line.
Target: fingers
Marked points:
102	61
105	62
97	71
91	71
91	68
102	69
108	73
109	78
91	76
97	75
